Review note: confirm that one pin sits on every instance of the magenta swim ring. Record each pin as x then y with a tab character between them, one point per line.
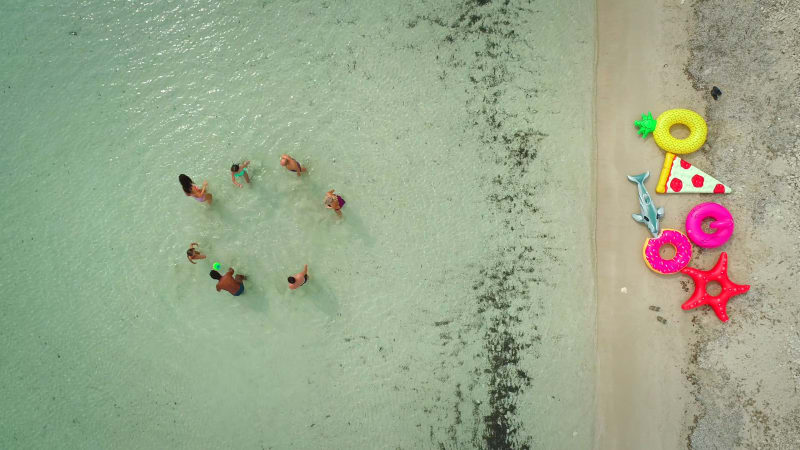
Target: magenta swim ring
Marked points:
722	225
683	252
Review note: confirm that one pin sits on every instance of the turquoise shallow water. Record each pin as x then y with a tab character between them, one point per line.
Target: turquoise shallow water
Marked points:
452	306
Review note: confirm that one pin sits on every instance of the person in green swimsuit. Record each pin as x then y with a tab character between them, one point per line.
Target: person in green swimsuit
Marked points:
238	171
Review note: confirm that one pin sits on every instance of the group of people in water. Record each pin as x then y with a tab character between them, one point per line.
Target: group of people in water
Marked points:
230	281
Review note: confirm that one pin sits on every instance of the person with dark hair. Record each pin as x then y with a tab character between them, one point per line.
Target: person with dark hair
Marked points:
334	202
193	253
229	282
191	190
292	165
238	171
299	279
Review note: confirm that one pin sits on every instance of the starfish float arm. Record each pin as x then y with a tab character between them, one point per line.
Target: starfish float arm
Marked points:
719	310
697	297
691	271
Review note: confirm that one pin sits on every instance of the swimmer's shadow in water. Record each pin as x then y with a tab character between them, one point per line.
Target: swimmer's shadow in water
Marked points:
254	298
358	230
319	295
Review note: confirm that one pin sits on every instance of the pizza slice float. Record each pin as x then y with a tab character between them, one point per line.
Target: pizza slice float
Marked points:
680	177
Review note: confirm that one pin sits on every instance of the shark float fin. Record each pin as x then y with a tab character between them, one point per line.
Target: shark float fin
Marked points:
639	178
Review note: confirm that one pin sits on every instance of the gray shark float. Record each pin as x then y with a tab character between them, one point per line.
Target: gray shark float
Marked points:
650	215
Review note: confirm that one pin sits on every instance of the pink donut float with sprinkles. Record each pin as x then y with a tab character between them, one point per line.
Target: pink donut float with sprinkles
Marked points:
722	225
652	248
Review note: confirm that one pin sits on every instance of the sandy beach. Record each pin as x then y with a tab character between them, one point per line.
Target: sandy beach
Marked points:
669	378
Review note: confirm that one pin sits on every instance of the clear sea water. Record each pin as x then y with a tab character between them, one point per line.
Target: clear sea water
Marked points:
452	305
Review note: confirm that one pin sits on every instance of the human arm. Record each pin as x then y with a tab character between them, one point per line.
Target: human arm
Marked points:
190	259
233	178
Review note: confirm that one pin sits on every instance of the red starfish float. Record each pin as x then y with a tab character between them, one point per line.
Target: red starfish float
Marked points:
719	274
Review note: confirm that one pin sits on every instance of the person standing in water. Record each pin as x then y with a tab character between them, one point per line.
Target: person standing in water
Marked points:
191	190
238	171
334	202
299	279
229	282
291	164
193	253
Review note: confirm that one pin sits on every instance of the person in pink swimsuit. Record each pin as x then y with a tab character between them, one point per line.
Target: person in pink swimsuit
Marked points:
191	190
334	202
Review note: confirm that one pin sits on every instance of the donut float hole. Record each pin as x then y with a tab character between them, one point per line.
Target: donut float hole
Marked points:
713	288
679	131
707	225
667	252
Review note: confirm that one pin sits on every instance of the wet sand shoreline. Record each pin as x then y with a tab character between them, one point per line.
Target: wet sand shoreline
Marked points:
642	394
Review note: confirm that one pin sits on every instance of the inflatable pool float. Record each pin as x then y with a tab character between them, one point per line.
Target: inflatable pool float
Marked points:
701	296
650	214
681	177
660	128
683	252
722	225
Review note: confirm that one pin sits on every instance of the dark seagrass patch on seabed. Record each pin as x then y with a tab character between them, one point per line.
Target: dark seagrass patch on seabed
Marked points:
507	306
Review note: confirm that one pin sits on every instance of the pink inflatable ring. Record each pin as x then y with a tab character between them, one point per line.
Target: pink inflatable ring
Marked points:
683	252
722	224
